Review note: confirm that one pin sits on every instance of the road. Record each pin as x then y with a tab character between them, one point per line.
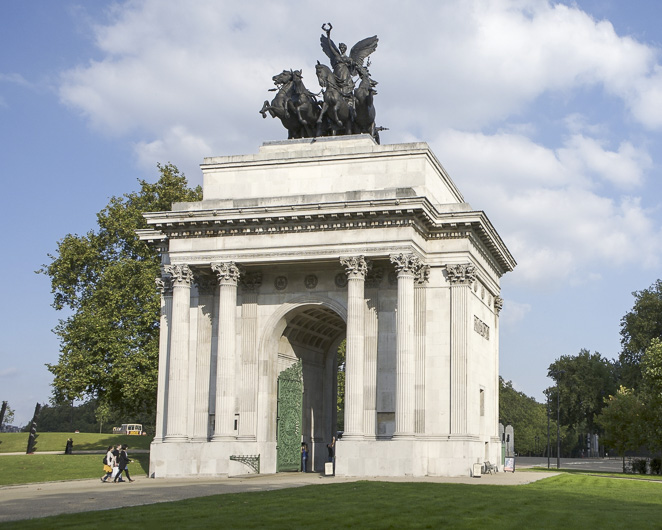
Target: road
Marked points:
611	465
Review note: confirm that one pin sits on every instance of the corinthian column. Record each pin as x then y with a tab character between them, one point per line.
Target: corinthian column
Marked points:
251	282
179	346
203	359
164	286
355	268
460	277
420	304
406	265
228	276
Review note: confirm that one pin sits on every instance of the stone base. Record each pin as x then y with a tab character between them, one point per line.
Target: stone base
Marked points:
208	459
417	457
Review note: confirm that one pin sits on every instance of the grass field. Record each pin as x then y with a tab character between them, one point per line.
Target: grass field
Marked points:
564	501
17	442
25	469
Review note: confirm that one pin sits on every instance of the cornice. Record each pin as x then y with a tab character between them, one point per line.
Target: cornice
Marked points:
415	212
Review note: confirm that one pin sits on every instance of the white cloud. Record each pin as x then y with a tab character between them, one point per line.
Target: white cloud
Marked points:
186	80
513	312
547	204
8	372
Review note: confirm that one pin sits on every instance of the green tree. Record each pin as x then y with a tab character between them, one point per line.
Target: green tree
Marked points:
8	417
622	422
584	380
527	416
651	368
109	342
639	327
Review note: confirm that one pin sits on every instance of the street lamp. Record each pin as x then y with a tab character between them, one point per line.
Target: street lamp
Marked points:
549	447
555	374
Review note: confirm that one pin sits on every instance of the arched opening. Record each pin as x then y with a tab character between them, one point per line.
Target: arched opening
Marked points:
307	349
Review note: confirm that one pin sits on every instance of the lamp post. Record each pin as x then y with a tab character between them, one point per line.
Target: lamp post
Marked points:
549	447
555	375
558	426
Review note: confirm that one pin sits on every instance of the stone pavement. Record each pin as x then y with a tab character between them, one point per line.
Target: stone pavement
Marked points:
53	498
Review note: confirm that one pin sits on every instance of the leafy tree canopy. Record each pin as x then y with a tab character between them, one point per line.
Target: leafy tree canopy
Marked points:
584	380
652	393
622	421
639	327
526	415
109	343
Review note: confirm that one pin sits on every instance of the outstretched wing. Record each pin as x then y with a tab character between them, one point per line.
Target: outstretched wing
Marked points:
363	48
330	49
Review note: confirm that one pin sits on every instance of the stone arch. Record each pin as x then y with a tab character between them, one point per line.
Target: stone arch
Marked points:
305	326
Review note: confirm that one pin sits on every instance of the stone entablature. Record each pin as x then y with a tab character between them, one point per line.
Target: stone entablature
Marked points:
414	212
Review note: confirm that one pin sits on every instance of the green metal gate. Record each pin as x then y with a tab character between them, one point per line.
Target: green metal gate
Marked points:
290	408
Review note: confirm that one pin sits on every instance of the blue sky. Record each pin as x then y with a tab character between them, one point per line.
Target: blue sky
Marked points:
546	115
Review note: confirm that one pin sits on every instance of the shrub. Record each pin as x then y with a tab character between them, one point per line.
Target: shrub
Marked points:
639	466
656	466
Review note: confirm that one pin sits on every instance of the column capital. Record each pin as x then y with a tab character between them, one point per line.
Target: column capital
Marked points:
498	304
227	271
461	274
163	284
406	263
422	275
181	274
355	266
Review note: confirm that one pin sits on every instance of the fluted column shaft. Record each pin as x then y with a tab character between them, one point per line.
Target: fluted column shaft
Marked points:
420	305
164	285
203	362
406	266
228	276
248	392
356	268
460	277
179	352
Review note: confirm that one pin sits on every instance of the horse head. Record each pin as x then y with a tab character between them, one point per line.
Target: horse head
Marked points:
283	78
324	74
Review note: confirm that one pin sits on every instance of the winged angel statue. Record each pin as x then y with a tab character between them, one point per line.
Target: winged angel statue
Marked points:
344	108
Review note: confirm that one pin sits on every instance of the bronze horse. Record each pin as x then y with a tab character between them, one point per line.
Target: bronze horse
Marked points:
305	105
281	106
365	109
335	105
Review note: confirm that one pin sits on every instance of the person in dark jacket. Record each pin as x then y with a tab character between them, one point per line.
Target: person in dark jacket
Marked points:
123	462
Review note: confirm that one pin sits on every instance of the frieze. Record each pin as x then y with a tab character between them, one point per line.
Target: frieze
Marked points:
280	283
481	328
310	281
251	281
341	280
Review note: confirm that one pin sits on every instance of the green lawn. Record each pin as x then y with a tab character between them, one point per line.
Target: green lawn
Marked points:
17	442
564	501
24	469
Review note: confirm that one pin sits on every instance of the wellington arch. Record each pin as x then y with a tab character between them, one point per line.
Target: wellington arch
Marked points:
291	251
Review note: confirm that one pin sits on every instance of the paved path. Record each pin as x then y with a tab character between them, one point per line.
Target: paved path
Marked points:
53	498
